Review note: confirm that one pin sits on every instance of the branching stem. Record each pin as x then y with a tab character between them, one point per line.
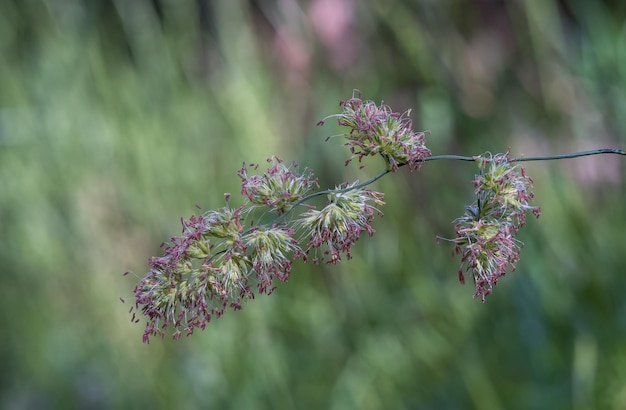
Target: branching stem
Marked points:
450	157
536	158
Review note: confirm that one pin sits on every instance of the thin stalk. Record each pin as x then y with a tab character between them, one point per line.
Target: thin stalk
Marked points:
572	155
536	158
448	157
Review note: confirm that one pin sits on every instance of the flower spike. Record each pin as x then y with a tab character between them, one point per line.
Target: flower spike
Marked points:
377	130
486	232
222	259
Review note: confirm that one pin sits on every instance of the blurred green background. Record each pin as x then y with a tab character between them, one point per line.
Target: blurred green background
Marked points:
117	117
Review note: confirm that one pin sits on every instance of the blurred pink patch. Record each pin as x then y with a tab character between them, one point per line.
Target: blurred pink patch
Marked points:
332	21
596	170
294	54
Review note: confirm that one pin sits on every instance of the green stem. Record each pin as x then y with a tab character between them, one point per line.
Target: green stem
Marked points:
450	157
537	158
572	155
